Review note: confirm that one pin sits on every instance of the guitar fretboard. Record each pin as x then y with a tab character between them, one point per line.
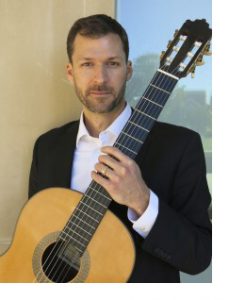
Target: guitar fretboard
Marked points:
93	205
145	114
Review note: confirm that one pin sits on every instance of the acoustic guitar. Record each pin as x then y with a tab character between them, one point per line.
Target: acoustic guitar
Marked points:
63	236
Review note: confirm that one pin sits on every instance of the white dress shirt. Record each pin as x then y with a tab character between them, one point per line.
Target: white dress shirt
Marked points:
85	157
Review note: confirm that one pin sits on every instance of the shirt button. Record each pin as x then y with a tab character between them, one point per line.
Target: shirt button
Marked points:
143	228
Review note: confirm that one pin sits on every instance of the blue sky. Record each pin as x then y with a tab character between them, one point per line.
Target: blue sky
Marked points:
150	24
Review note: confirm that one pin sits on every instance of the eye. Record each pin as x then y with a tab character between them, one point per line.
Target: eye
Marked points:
87	64
113	63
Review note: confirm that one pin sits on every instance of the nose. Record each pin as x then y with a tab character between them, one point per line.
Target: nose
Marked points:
100	74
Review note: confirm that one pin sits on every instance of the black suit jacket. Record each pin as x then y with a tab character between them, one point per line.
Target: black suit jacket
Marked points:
173	166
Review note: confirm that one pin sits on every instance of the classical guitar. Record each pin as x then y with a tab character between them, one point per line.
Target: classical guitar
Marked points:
63	236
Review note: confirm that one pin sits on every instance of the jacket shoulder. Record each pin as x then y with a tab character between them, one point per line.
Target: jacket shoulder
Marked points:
174	130
59	132
173	135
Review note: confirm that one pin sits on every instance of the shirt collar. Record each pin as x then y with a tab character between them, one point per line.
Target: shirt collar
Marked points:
115	128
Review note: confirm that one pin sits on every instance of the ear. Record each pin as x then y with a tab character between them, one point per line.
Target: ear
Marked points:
129	69
69	72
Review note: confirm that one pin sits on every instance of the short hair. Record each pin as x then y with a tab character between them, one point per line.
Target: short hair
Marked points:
96	26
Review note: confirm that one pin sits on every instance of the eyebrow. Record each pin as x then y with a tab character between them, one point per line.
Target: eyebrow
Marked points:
114	57
90	58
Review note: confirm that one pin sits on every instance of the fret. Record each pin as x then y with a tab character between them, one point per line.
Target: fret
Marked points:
90	207
73	239
80	228
137	140
75	232
128	142
141	112
136	131
132	151
95	204
162	90
166	85
137	125
93	200
153	102
168	74
155	96
80	217
101	194
81	211
163	81
150	110
82	221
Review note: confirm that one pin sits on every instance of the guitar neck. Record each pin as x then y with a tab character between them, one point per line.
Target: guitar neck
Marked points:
93	205
146	113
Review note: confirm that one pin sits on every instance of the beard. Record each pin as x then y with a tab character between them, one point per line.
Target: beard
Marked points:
101	104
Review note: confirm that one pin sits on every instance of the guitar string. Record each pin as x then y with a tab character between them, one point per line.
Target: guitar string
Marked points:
40	273
57	280
128	146
163	77
150	91
62	249
159	79
164	100
145	93
130	133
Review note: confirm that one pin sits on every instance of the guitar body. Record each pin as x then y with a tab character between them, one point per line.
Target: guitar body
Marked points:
109	256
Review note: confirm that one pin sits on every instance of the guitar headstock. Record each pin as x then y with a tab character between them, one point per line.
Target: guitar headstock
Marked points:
187	49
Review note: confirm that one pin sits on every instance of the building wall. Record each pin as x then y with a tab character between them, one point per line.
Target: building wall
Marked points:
35	94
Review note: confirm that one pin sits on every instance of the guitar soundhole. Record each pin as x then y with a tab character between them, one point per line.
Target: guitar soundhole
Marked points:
60	262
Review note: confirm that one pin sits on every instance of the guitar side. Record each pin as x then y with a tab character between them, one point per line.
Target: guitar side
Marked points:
109	257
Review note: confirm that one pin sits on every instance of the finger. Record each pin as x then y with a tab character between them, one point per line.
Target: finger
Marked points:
109	161
102	169
104	182
114	152
123	160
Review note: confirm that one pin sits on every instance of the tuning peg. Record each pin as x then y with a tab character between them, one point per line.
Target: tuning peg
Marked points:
192	71
207	50
169	43
199	61
175	33
162	54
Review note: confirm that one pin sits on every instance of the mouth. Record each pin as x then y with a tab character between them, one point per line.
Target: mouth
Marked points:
100	93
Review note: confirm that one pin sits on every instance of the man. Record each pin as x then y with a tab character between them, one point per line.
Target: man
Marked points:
162	197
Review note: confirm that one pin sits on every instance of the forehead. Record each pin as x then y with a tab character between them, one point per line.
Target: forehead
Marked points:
109	45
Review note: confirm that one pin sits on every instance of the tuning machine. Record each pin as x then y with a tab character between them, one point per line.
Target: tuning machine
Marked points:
199	61
175	33
192	70
206	50
162	54
169	44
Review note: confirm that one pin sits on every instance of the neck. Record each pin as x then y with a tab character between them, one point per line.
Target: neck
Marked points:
97	122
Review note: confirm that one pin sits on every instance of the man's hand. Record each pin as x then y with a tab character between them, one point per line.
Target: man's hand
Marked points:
122	179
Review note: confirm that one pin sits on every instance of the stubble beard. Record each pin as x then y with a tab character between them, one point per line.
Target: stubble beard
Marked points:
102	104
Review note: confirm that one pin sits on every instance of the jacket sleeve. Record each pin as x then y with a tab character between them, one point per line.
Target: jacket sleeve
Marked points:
181	235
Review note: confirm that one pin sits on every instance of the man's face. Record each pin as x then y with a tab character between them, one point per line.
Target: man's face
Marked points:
99	72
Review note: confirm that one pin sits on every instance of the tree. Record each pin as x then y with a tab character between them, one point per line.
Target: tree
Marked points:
185	108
